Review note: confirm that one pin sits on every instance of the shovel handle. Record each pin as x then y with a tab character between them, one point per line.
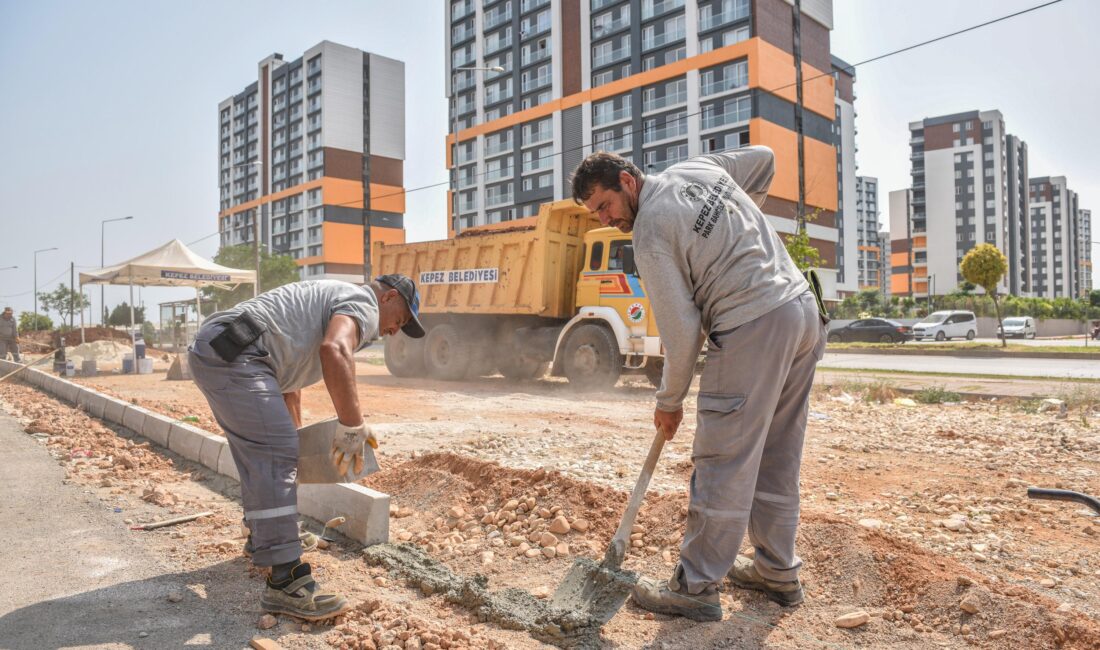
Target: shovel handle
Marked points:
27	365
622	535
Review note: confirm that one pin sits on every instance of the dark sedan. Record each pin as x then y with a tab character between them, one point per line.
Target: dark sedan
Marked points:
872	330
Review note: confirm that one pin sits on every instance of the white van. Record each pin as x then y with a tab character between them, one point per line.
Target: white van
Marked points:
1021	326
943	325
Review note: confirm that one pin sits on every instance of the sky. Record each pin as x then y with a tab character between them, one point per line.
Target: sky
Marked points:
109	108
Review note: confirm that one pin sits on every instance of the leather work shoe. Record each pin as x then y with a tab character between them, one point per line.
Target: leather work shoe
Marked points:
744	575
657	596
300	596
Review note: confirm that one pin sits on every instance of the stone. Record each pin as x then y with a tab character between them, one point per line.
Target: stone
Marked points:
873	524
580	525
531	552
486	558
175	596
541	592
964	581
547	539
852	619
562	549
456	512
549	552
560	525
1047	582
970	604
511	505
266	622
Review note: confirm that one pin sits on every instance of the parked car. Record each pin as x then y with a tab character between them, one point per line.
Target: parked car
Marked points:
874	330
1017	326
947	325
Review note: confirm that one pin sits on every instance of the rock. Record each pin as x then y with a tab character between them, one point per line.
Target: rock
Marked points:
1047	582
550	552
142	635
873	524
1064	608
548	539
511	505
580	525
560	525
381	581
964	581
637	528
531	552
267	621
562	549
853	619
456	512
970	604
996	634
404	535
541	591
486	557
174	596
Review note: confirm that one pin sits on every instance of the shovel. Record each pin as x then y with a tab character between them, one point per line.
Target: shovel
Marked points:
599	590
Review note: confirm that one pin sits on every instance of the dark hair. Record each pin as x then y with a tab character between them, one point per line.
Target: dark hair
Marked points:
603	169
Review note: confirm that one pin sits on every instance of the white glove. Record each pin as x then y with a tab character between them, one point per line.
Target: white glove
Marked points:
347	448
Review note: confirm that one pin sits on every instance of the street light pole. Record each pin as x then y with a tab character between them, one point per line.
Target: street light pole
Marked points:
454	133
34	294
102	228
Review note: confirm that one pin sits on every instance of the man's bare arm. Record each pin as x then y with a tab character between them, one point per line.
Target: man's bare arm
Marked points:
294	405
338	368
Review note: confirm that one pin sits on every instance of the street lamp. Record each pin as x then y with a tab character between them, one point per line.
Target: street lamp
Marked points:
102	228
8	268
34	295
255	233
454	131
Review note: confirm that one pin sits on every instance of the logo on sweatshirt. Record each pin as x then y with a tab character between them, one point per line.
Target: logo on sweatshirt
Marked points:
636	313
692	191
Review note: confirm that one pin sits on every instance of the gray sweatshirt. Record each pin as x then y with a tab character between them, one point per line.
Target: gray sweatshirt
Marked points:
708	256
9	329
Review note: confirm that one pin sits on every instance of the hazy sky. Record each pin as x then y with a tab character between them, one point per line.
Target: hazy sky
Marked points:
110	107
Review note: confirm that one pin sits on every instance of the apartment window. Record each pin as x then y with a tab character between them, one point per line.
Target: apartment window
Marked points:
968	126
988	188
955	127
537	132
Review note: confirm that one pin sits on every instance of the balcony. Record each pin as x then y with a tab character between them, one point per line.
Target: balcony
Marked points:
496	200
462	57
660	103
672	129
467	181
651	8
917	140
536	82
468	205
460	11
539	163
496	18
608	27
658	166
607	117
607	58
499	174
461	33
715	21
494	148
660	40
615	145
531	5
528	57
738	116
498	44
600	4
724	85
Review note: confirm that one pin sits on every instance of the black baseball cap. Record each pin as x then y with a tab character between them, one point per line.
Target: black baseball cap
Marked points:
407	288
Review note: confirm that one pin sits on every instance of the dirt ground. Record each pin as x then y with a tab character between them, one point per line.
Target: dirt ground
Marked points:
916	515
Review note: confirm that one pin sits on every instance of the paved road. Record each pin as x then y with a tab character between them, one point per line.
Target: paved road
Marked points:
75	575
1024	367
1077	342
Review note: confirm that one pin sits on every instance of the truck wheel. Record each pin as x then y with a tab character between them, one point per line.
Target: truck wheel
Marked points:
446	355
654	368
592	358
404	356
514	367
940	336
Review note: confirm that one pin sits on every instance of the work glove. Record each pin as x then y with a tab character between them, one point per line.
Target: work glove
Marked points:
347	448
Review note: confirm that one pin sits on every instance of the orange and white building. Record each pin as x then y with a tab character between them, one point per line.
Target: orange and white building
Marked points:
657	81
315	149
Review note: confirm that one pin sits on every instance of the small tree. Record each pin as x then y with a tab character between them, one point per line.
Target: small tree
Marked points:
985	265
120	315
275	271
26	322
64	301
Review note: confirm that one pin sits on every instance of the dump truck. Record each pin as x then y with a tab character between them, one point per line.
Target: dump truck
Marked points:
561	294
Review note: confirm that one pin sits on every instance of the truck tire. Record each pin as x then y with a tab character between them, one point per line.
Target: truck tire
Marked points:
515	367
592	359
654	369
404	356
446	355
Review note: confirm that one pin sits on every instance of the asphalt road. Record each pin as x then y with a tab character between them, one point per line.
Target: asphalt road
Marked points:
76	576
1016	366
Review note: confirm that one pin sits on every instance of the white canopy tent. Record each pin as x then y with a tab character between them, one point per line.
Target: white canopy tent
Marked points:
170	265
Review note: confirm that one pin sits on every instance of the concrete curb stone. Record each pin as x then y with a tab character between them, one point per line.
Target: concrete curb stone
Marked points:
186	440
114	410
211	451
133	418
367	510
156	428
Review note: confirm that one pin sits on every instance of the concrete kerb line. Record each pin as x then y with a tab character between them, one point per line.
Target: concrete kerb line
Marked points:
367	511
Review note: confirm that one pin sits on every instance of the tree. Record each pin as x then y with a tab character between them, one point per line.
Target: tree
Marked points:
275	271
985	265
120	315
64	301
26	322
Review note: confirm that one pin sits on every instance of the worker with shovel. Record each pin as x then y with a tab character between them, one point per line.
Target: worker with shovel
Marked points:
714	268
251	362
9	336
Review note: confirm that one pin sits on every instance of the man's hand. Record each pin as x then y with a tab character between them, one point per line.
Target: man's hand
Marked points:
667	422
347	448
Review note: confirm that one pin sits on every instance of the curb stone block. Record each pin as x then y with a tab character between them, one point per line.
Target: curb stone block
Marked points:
92	402
226	466
114	410
211	451
186	440
133	418
68	391
367	510
156	428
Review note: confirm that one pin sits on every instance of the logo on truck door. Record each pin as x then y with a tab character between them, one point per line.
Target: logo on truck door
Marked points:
460	276
636	313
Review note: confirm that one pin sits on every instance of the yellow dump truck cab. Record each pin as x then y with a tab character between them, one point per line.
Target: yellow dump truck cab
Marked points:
555	290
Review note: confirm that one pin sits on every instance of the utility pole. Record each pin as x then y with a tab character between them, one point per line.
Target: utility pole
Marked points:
72	296
798	114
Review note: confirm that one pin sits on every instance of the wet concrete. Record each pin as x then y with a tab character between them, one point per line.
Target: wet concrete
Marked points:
511	608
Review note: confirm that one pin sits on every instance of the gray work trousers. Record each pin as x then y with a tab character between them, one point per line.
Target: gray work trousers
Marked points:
753	401
7	346
249	406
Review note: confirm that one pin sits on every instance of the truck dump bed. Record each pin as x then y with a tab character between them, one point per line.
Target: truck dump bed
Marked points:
515	271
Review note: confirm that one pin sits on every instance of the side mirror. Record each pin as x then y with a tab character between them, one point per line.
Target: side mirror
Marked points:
628	261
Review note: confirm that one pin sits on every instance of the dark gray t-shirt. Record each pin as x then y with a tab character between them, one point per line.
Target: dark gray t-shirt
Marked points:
296	316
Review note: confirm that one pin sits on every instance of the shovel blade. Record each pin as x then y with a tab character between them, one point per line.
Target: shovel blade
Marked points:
595	590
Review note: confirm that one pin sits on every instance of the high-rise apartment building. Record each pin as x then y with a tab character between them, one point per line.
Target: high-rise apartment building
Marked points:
870	260
885	256
657	81
961	172
315	149
1018	240
844	135
1055	248
906	249
1084	245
